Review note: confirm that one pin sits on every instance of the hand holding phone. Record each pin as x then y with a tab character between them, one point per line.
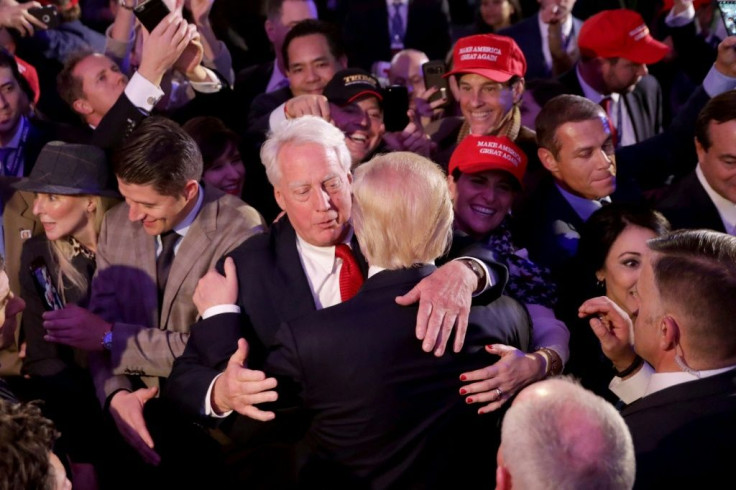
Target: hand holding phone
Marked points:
395	108
150	13
44	285
433	72
46	14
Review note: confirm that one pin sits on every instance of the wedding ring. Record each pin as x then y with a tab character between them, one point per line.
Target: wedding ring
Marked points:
499	392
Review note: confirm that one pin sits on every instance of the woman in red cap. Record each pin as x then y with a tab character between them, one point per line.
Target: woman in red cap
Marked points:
485	173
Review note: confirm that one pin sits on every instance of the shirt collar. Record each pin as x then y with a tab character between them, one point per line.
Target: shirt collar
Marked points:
390	3
591	93
726	208
183	227
15	142
660	381
583	207
323	257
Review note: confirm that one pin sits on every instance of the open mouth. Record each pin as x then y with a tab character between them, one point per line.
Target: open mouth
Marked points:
482	210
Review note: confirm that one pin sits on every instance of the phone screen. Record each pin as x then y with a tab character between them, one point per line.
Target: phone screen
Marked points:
395	106
44	285
728	14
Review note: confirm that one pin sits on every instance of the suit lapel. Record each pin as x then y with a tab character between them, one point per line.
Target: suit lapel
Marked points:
145	254
297	297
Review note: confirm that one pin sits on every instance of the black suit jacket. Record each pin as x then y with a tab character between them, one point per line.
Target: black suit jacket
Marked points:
384	413
527	36
683	435
644	103
686	205
251	82
366	32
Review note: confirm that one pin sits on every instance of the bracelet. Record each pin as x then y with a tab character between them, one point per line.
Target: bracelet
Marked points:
554	363
636	364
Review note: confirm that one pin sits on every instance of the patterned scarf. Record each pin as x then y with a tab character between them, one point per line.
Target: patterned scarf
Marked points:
528	282
78	248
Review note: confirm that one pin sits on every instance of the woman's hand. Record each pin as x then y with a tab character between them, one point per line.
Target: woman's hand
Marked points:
500	381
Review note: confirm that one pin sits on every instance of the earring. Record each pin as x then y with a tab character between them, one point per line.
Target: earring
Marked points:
601	284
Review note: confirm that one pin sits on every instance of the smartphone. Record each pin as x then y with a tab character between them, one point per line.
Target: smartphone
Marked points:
433	77
44	285
46	14
151	13
395	105
728	14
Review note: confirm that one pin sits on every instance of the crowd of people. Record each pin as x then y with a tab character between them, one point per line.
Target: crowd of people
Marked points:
370	244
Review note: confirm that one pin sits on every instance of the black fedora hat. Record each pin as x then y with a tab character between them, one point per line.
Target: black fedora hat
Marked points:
70	169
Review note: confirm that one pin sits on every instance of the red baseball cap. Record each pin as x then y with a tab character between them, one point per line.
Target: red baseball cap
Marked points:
477	154
619	33
495	57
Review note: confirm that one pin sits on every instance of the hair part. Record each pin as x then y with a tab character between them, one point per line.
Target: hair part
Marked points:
161	154
400	225
560	110
695	274
302	131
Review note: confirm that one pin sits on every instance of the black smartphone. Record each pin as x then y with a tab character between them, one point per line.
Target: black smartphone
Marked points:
728	14
395	105
46	14
44	285
151	13
433	77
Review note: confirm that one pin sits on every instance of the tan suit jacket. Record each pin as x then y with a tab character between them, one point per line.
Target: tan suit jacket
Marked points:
146	339
19	225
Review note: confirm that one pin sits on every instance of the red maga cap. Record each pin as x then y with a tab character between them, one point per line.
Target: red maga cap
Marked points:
477	154
619	33
495	57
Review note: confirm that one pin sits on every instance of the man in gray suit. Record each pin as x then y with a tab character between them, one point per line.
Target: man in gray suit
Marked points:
152	250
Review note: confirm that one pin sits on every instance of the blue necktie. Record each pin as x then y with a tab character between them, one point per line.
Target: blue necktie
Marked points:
397	25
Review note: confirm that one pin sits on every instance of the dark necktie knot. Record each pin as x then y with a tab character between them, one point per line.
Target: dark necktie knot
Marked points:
351	278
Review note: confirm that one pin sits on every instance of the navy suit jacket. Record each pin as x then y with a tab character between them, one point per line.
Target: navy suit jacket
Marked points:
686	205
644	103
527	36
384	413
683	435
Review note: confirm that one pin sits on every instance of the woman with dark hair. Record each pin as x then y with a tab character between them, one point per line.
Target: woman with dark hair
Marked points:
494	15
608	262
223	166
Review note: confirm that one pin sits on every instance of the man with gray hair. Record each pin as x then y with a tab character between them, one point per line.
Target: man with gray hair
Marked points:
557	434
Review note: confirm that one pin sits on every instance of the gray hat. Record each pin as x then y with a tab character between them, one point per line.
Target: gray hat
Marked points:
70	169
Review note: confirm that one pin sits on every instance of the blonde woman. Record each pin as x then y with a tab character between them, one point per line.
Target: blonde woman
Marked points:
72	190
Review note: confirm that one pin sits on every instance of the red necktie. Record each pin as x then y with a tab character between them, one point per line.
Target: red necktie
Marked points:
350	276
607	104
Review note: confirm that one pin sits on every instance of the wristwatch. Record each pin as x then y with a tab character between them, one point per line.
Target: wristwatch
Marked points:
107	340
479	272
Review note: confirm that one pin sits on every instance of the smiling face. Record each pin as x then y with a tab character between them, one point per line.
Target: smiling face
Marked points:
63	216
362	123
623	265
585	164
13	102
718	162
314	190
481	200
157	212
227	173
311	64
485	103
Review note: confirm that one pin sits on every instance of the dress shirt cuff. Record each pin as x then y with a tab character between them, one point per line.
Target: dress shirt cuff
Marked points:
219	309
681	19
716	82
211	86
634	387
142	93
208	410
489	279
277	116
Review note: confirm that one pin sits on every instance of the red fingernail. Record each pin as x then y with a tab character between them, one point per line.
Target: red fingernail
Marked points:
468	400
463	377
462	391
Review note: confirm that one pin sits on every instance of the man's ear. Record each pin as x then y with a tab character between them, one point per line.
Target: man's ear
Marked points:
669	333
269	28
518	90
190	189
81	106
548	160
279	198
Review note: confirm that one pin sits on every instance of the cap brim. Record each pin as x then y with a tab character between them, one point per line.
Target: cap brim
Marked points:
495	75
365	93
475	168
648	52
